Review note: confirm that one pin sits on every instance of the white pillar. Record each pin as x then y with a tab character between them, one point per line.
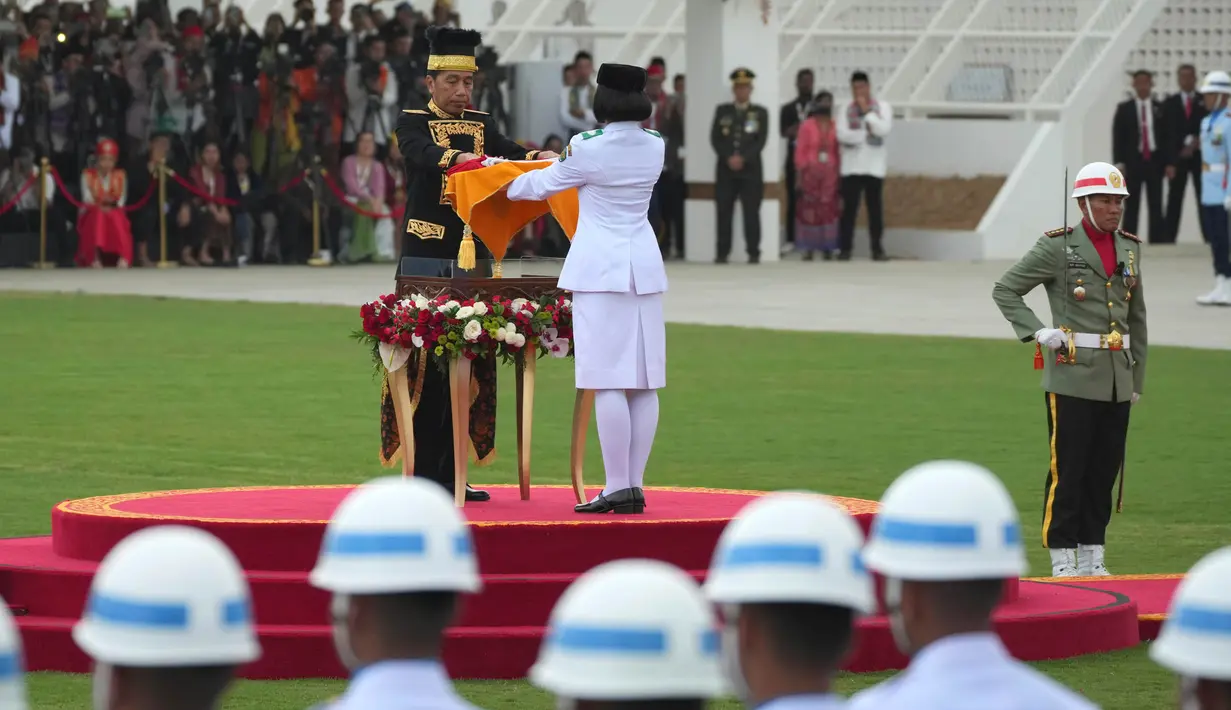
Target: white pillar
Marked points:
721	36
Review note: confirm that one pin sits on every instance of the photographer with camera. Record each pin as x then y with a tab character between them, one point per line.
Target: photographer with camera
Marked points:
236	51
148	69
411	73
372	94
192	101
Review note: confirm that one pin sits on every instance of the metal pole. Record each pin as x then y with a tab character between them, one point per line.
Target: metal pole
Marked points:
163	262
42	262
317	259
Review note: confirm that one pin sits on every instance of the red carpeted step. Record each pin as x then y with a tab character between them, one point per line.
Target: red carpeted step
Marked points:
280	528
1048	621
1151	592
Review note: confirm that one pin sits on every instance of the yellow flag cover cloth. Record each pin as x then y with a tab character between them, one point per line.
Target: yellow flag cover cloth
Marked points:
479	199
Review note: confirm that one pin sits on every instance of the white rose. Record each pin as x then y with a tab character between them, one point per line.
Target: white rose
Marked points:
416	341
480	308
421	302
472	331
500	335
510	327
464	312
568	303
405	303
519	303
451	305
518	340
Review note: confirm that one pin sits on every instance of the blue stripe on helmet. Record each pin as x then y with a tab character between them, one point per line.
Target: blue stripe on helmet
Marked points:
127	612
10	666
782	553
915	533
363	544
601	639
1201	620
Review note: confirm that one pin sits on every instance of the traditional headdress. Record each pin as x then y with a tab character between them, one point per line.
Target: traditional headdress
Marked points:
193	31
452	49
624	78
106	147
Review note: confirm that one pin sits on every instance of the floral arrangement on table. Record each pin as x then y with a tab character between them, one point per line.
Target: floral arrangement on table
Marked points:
448	328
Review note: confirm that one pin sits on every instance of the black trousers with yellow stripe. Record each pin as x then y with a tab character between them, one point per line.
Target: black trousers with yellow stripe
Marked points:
1086	441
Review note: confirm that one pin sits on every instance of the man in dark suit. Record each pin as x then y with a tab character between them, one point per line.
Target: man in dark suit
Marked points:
738	136
1139	149
1182	113
791	115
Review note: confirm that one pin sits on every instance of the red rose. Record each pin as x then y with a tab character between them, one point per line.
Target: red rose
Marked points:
469	354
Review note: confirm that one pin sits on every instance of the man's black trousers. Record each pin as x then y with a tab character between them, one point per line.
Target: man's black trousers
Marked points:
1086	444
855	187
748	187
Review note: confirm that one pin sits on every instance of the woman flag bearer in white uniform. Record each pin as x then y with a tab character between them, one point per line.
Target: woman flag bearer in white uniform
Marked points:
615	271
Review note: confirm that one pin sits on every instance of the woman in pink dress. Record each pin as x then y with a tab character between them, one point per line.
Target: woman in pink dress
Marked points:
817	180
103	231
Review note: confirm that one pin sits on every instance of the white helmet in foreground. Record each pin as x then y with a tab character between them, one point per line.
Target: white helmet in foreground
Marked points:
396	535
1196	638
169	596
1099	179
1216	82
12	668
791	548
946	521
631	630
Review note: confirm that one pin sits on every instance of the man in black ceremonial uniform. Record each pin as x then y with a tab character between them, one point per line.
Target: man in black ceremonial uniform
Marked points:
431	141
738	135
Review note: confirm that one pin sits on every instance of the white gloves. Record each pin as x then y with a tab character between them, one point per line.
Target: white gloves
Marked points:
1050	338
492	160
1227	203
1135	398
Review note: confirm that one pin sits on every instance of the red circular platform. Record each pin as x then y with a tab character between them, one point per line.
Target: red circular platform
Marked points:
529	552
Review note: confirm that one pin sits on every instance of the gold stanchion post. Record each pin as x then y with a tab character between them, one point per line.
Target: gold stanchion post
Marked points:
42	262
163	262
317	259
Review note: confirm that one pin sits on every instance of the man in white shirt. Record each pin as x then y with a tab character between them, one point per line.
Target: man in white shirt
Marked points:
371	94
945	539
577	100
1140	152
10	101
863	124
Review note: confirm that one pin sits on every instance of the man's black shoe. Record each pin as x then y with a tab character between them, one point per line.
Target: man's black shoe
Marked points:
476	496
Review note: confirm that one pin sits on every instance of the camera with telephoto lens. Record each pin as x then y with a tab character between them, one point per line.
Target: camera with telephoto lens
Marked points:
153	63
369	71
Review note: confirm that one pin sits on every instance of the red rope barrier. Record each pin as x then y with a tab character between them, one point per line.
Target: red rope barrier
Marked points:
342	197
13	202
55	174
197	192
293	182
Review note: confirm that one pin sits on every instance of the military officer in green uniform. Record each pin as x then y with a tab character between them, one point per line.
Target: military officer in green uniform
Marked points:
431	141
738	135
1095	364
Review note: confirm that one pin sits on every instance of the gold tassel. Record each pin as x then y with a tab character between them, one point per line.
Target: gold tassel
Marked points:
465	255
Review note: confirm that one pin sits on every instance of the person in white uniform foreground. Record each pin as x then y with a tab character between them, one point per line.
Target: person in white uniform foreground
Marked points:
615	271
168	621
788	576
627	634
945	539
1195	641
397	556
12	667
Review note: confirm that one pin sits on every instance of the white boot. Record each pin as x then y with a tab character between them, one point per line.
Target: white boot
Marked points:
1063	562
1090	561
1217	296
1225	297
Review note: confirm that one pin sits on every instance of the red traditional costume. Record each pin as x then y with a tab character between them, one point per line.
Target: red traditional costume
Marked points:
102	226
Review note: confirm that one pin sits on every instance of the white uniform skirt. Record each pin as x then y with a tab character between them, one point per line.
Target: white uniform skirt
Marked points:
620	341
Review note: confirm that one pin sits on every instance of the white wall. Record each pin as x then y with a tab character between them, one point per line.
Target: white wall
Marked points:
958	147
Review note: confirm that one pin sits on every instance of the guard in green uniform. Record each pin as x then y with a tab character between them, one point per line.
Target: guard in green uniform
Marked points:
1094	365
738	135
431	141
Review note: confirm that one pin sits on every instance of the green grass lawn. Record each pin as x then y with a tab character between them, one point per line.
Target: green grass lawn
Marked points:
107	395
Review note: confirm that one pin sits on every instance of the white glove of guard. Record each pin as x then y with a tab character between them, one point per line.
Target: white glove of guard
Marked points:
1227	203
493	160
1135	398
1050	338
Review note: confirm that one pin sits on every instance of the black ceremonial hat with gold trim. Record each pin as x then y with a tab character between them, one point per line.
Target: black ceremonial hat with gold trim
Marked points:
742	76
452	49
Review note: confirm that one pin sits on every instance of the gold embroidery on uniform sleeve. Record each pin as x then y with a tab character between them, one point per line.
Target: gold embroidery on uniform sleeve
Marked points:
425	230
531	154
443	130
447	159
444	185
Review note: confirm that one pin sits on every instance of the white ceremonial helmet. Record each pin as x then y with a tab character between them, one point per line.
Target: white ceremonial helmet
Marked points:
1216	82
12	667
631	630
395	535
791	548
169	596
943	521
1195	641
1099	179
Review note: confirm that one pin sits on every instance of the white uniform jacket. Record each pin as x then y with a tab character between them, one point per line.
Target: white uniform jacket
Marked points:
615	169
968	672
401	685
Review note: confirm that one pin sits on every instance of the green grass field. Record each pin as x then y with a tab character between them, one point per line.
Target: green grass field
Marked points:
107	395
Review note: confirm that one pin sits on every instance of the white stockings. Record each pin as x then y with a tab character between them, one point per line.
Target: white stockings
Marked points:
627	422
